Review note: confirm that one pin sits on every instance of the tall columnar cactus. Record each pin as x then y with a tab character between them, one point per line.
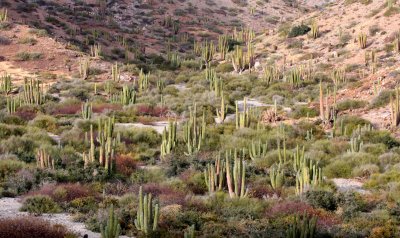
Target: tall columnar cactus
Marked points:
258	150
223	46
302	227
112	228
355	144
84	67
189	233
43	160
245	35
33	92
277	176
314	30
208	50
107	143
214	175
12	104
395	109
308	175
147	213
115	73
174	59
362	40
169	139
221	113
95	51
396	43
197	48
194	133
270	74
160	86
326	110
3	15
294	78
6	84
127	95
235	176
243	117
239	59
210	74
143	81
339	76
86	110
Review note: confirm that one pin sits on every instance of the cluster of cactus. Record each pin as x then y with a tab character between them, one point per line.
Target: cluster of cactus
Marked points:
214	175
277	176
33	92
143	81
95	51
326	111
169	139
84	67
314	30
355	144
222	112
112	228
12	104
390	3
270	74
235	176
194	132
3	15
244	35
174	59
302	227
115	73
147	214
241	60
258	150
197	48
208	50
223	46
307	71
189	233
160	86
395	109
6	84
90	157
108	88
127	95
396	43
86	110
339	76
43	160
362	40
282	153
107	143
170	23
242	118
308	175
295	78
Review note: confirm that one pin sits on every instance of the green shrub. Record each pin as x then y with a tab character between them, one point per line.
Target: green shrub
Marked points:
45	122
338	169
350	104
9	167
382	99
39	204
304	111
26	56
322	199
299	30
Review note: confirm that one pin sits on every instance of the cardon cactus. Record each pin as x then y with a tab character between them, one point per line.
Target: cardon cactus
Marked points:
235	177
169	139
302	227
277	176
112	228
147	213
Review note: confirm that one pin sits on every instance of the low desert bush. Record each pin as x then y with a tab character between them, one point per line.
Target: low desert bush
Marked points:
32	227
39	204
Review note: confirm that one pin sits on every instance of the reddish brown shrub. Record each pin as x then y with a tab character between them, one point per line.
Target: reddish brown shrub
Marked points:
125	165
26	112
167	195
147	110
326	219
99	108
63	192
69	109
262	191
32	227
